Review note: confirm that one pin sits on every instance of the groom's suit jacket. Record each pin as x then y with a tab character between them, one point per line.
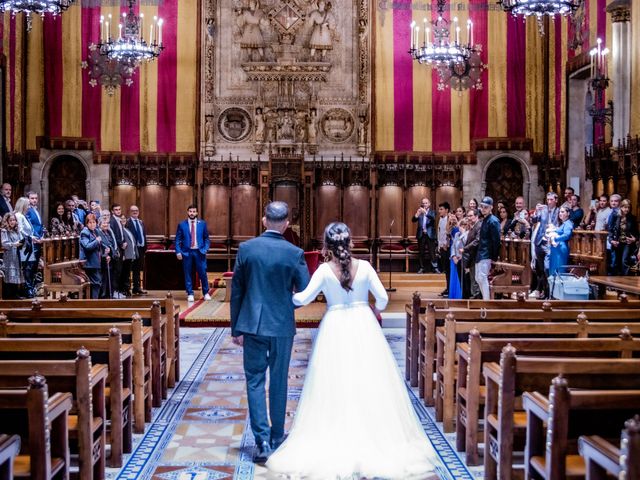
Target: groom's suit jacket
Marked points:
267	271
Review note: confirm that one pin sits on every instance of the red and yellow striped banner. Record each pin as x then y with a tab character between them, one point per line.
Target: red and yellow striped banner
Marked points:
412	114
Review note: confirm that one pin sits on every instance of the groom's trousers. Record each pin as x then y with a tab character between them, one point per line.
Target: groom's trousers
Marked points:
260	353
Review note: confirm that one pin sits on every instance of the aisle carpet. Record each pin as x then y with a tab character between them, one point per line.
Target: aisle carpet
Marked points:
216	313
202	432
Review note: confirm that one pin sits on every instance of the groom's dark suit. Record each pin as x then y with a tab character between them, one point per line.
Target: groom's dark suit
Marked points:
267	271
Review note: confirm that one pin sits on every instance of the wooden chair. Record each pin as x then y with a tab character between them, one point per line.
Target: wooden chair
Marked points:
603	458
512	273
41	422
555	422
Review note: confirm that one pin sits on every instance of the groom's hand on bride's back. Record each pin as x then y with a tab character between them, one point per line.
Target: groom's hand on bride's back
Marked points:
239	340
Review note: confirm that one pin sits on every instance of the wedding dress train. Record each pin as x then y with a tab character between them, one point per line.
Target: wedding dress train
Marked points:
354	417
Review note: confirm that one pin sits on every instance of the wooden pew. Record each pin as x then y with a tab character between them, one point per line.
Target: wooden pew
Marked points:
434	318
133	332
9	450
169	310
87	419
478	350
512	272
41	421
119	358
602	458
419	307
552	453
151	317
63	270
504	420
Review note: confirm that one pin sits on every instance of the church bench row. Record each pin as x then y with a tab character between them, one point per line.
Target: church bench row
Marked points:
150	317
455	331
420	306
426	344
118	393
133	332
9	450
469	388
168	310
505	421
87	417
552	453
603	458
41	422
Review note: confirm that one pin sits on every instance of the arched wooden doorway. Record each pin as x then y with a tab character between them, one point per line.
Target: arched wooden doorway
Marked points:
504	181
67	176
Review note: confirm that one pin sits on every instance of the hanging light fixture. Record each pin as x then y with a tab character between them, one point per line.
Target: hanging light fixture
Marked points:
440	50
458	63
130	47
539	8
40	7
598	83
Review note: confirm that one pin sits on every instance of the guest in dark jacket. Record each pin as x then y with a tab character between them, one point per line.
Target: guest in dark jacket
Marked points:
488	246
90	250
623	237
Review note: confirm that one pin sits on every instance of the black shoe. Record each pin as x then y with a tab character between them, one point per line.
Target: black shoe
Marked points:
140	292
445	292
262	455
275	443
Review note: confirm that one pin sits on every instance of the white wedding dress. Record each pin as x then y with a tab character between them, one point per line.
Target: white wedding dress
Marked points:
354	418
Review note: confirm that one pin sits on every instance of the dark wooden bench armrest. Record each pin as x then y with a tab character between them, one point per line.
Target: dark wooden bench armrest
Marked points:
536	404
601	452
59	403
508	266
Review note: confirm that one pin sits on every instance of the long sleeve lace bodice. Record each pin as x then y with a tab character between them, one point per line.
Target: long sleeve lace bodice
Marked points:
324	280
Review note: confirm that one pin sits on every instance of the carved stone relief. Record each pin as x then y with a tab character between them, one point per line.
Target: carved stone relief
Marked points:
283	73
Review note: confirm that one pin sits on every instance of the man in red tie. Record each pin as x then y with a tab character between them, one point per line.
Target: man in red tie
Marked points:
192	244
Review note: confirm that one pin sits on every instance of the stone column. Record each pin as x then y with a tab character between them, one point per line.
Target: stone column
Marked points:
620	11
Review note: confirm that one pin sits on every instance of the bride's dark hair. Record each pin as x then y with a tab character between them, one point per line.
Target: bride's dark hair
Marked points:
337	241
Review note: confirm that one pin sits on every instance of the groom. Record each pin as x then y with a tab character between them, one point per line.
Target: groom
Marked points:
267	271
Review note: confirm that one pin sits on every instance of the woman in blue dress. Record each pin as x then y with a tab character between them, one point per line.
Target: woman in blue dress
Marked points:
559	239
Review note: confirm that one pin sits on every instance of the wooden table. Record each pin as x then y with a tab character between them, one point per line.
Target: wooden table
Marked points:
629	285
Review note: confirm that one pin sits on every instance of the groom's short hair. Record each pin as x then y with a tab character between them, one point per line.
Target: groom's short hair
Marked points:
276	212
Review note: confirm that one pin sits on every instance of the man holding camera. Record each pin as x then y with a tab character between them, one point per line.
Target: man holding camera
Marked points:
426	235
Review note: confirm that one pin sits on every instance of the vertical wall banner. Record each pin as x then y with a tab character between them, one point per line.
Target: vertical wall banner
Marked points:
53	45
516	77
479	109
187	73
148	86
441	107
167	77
403	77
384	75
91	95
72	72
35	84
130	107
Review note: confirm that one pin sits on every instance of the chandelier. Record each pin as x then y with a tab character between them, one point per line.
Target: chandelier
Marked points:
440	50
39	7
130	47
540	8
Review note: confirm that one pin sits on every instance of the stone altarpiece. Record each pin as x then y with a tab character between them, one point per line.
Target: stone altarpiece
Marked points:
284	82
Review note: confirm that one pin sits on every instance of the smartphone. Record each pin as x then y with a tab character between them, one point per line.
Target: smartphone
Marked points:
593	203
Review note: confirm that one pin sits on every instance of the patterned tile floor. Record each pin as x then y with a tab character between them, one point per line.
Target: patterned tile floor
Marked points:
201	432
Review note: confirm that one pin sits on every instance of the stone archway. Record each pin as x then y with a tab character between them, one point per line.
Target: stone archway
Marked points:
504	180
67	176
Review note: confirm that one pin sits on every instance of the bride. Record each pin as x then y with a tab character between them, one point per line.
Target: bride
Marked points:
354	418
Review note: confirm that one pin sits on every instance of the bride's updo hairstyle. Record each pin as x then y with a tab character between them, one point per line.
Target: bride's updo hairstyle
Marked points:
337	242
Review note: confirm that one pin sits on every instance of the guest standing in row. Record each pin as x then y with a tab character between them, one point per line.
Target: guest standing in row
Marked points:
426	236
136	226
623	237
559	241
12	242
91	252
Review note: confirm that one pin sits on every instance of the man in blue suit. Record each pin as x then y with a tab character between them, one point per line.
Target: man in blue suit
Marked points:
31	268
192	244
267	271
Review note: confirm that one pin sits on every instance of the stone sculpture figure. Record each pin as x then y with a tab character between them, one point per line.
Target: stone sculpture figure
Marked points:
285	127
322	30
259	121
250	20
312	130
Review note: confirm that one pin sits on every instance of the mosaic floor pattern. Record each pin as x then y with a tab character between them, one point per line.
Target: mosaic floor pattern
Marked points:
202	433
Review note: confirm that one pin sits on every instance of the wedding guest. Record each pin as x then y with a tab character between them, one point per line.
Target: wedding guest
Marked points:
505	221
545	215
473	203
623	237
488	246
444	242
469	252
136	226
598	215
460	213
192	243
426	236
109	252
12	241
5	199
576	213
559	241
28	253
456	277
129	254
520	226
90	251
